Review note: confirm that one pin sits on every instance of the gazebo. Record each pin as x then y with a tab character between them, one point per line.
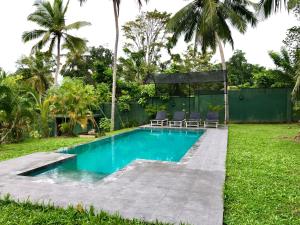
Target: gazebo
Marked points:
216	76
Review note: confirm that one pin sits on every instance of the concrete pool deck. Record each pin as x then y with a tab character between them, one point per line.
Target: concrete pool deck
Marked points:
190	191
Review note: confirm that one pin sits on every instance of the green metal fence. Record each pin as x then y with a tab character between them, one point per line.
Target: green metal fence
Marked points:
260	105
245	106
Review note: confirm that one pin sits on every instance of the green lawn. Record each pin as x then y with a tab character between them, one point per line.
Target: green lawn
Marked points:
262	183
263	175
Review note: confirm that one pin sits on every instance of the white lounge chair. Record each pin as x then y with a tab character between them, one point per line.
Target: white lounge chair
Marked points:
178	119
160	119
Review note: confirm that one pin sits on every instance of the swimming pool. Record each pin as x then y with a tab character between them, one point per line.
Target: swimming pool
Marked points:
98	159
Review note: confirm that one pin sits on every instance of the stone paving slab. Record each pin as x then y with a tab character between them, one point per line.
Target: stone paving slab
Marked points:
190	191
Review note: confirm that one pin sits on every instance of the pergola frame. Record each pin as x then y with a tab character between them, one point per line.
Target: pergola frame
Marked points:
194	78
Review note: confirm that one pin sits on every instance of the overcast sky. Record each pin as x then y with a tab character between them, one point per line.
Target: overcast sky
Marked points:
268	35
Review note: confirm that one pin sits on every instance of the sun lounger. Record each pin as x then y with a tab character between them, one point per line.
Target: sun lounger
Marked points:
194	120
178	119
212	119
160	119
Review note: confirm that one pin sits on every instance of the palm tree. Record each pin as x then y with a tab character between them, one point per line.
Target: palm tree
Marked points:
54	31
288	68
116	7
207	21
36	70
267	7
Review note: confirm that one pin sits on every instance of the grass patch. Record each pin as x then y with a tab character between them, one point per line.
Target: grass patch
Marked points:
12	212
8	151
263	175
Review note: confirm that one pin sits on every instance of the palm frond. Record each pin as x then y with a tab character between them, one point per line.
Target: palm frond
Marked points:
31	35
77	25
41	44
73	42
267	7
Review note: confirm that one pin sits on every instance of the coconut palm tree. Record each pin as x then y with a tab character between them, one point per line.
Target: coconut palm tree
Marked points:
116	7
207	21
54	30
268	7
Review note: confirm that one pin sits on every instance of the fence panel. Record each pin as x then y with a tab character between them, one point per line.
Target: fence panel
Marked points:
260	105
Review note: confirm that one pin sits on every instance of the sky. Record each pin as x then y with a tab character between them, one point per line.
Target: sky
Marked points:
256	42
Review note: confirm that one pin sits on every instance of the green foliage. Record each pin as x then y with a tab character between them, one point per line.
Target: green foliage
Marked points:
147	91
74	101
35	134
133	67
124	101
93	65
16	113
262	175
287	73
104	124
103	93
37	70
239	70
189	61
52	29
217	16
263	79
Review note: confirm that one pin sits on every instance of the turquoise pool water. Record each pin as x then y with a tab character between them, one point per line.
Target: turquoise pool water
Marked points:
100	158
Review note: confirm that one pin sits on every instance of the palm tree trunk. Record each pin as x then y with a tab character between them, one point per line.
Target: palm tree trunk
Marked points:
57	62
113	97
196	44
225	80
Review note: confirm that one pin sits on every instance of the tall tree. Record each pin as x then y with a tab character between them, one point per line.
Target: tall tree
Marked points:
54	30
207	22
239	70
148	34
116	7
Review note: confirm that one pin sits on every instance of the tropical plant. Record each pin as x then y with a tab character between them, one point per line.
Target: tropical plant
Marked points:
116	7
42	107
76	64
93	65
75	101
54	30
207	21
134	67
37	71
286	67
16	111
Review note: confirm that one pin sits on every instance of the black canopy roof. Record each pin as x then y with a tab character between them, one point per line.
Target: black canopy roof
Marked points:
187	78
